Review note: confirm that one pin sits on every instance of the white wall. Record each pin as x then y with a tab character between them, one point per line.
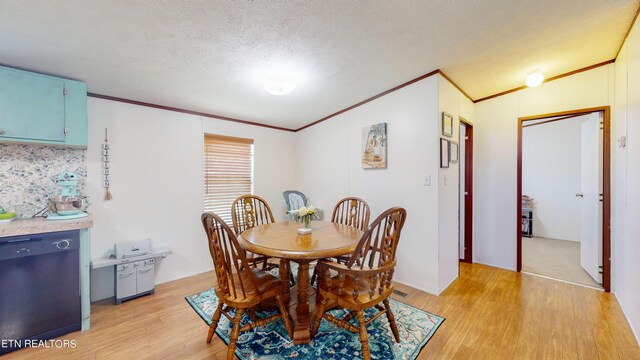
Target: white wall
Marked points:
495	152
330	169
551	164
450	100
626	201
157	182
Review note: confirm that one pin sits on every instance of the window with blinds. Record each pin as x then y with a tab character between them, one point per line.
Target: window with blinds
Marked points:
228	172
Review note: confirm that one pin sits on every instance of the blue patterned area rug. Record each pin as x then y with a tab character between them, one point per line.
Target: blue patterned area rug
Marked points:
415	326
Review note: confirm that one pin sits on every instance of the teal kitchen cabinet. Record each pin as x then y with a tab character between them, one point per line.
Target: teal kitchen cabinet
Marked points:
41	109
75	113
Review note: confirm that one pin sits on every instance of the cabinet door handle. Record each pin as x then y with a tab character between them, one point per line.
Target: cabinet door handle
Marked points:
124	275
66	131
1	131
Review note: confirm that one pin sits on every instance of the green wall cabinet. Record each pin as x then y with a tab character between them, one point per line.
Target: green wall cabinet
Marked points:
41	109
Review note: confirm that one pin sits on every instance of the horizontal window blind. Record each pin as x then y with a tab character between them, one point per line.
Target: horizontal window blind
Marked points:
228	172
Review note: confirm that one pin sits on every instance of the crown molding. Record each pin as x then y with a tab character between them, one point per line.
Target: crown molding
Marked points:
587	68
371	99
184	111
628	32
455	85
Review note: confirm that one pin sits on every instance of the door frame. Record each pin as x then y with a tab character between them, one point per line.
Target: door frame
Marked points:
606	184
468	201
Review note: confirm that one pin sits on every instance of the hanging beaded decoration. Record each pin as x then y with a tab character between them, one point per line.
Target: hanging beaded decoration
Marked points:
105	167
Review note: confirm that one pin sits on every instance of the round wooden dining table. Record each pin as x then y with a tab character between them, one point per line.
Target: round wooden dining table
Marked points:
281	240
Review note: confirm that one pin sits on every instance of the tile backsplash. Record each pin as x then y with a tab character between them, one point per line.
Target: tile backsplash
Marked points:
28	173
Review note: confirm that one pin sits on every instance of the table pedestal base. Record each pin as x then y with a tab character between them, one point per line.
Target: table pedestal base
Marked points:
301	299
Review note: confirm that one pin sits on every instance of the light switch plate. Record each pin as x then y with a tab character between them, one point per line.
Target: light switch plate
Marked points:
622	141
427	180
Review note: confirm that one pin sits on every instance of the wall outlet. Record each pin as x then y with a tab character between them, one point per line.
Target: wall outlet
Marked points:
427	180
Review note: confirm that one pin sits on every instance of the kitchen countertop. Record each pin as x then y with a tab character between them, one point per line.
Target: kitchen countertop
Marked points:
42	225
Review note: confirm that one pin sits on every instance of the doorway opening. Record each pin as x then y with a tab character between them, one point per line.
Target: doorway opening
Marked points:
563	192
465	214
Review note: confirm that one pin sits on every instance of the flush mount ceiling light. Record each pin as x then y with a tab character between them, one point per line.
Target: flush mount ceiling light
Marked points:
279	83
534	79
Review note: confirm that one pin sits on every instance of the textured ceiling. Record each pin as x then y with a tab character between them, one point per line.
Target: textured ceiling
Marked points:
210	56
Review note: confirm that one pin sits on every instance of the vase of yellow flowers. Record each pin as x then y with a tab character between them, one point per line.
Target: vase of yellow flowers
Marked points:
304	216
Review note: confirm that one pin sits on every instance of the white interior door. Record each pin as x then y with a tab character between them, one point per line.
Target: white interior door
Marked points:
590	206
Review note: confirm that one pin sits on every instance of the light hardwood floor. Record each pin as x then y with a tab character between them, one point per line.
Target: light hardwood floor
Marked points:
490	314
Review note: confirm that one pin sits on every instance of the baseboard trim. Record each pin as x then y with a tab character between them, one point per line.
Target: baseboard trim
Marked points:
415	287
635	334
180	277
560	280
493	265
449	284
550	238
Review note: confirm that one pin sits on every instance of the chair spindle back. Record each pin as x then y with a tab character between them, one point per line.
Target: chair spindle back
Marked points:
234	276
249	211
352	211
375	254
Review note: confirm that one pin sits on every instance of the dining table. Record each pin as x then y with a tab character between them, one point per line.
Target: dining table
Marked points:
281	240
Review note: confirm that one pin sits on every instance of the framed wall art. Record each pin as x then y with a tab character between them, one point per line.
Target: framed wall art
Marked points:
453	152
444	153
374	146
447	124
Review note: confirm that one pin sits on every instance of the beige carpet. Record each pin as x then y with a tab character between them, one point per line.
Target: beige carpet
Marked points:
558	259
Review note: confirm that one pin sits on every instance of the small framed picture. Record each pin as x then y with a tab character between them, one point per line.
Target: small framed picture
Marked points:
444	153
453	152
447	124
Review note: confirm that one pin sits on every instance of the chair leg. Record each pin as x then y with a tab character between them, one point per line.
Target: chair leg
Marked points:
392	320
285	317
364	337
252	315
318	317
351	315
235	332
214	322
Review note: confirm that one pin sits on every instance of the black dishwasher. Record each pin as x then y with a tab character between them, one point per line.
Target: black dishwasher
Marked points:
39	287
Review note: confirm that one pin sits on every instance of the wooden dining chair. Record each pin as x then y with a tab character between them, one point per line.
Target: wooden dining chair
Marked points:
248	211
239	285
351	211
365	280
